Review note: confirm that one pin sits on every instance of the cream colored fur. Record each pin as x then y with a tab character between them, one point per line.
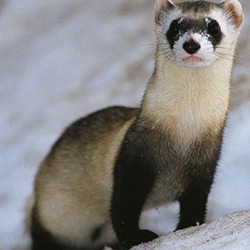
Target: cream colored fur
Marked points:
28	211
190	100
73	189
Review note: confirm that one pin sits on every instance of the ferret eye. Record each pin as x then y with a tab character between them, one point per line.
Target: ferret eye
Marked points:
214	29
174	28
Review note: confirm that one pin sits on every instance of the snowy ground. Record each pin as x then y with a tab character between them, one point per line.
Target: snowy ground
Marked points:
229	232
62	59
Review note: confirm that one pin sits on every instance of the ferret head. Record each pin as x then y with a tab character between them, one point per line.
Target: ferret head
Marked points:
196	33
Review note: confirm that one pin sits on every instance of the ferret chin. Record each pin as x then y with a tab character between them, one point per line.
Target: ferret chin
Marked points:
107	167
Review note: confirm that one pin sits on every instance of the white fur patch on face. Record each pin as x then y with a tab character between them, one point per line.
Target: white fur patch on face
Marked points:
166	20
231	33
203	57
207	54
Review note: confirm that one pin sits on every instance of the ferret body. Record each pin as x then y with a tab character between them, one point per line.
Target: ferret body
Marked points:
106	168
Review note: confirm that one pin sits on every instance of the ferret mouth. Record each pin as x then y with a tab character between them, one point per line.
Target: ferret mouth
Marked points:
192	59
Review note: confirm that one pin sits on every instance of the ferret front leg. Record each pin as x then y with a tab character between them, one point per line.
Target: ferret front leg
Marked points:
193	203
133	180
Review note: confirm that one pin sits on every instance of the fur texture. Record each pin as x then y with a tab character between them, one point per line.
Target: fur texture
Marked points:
106	168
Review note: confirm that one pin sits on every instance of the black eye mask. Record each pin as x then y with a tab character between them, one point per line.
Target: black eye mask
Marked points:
206	26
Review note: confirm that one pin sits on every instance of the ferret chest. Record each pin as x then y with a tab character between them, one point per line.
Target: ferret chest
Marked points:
178	164
169	185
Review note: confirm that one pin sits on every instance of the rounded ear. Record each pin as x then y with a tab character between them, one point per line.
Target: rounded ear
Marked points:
234	10
160	7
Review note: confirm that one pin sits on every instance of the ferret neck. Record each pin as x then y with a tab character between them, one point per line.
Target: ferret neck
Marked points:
187	100
170	75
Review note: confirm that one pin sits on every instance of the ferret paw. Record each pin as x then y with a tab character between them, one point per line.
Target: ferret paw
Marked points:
141	236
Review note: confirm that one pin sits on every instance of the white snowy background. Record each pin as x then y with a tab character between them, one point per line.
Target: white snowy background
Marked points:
62	59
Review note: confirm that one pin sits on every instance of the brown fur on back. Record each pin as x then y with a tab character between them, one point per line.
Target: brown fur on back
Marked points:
75	181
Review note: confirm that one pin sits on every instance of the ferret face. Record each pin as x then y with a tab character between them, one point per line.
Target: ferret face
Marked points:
194	42
195	34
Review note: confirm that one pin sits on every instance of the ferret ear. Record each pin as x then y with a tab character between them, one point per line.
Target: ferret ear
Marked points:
234	10
160	7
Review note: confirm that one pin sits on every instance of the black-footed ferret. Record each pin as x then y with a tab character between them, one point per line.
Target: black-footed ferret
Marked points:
106	168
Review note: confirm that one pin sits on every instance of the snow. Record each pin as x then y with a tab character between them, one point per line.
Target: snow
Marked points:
63	59
220	234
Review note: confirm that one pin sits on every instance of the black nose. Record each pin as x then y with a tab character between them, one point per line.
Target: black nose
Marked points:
191	47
